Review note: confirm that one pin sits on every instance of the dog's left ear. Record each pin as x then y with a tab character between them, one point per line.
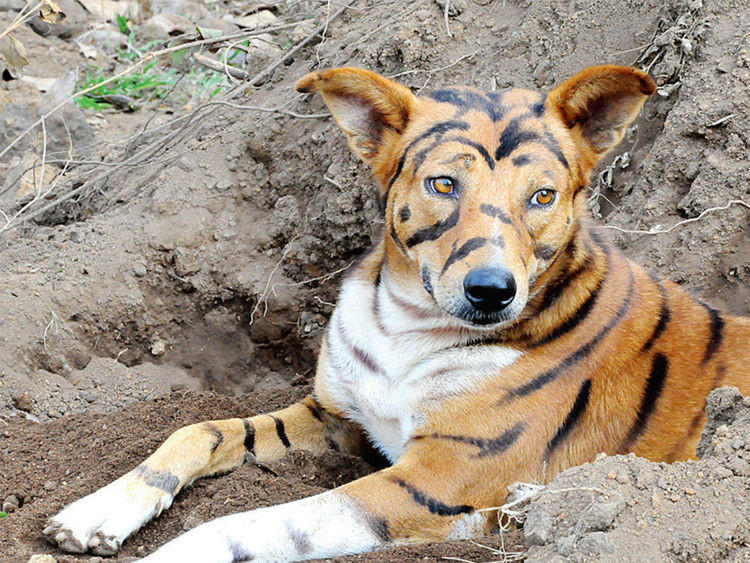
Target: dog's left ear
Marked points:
373	111
597	104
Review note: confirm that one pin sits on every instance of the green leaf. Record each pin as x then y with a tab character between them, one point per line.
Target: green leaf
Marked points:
122	23
3	514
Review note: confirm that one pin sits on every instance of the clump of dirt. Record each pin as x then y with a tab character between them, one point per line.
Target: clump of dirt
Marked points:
615	507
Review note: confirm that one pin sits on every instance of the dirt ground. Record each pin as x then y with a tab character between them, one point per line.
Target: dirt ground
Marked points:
195	283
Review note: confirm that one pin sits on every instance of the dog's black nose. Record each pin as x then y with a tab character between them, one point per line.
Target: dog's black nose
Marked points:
490	290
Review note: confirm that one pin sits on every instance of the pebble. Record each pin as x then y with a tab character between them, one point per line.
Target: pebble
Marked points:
50	486
139	269
10	504
158	348
41	558
23	401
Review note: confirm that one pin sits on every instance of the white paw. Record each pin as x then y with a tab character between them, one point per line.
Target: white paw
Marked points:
101	521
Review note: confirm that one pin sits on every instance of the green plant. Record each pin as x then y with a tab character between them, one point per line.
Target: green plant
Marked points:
3	514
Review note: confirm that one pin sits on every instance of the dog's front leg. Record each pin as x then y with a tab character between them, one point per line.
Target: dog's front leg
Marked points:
101	521
418	499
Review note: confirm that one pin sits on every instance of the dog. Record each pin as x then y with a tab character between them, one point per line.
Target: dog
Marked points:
490	335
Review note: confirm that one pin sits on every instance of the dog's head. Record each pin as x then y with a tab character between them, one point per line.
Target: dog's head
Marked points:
483	190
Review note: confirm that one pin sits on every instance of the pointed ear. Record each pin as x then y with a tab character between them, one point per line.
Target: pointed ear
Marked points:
597	104
373	111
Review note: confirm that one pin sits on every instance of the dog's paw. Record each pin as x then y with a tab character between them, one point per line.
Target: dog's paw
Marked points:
101	521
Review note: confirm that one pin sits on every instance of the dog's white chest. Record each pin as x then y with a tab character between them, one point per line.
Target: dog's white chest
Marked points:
387	365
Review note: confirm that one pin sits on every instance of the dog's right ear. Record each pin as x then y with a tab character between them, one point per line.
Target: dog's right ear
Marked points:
372	110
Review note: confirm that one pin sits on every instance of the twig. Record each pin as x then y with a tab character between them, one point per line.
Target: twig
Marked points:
433	70
445	15
212	64
657	230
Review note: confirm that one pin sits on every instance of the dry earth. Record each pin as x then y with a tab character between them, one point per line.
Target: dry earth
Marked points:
208	270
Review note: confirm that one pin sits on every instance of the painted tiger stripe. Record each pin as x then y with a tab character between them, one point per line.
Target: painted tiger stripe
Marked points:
280	430
463	251
521	160
405	213
716	329
249	440
397	239
555	289
434	231
575	414
513	136
437	129
163	480
218	436
355	351
551	374
664	317
487	446
495	213
430	503
465	100
578	316
654	387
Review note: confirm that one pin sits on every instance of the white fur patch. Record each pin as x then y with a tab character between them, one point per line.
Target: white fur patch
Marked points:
420	359
315	527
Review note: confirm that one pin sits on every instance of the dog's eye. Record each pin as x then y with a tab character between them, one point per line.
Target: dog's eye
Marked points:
442	185
543	197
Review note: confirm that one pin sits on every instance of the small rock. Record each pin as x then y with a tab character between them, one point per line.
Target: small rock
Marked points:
596	543
456	7
105	40
538	526
50	486
41	558
158	348
10	504
74	236
139	269
23	401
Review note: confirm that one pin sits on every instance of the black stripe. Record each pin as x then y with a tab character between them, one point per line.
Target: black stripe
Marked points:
163	480
473	144
556	288
465	100
487	446
495	213
249	435
554	147
437	129
513	136
432	504
463	251
664	317
213	429
575	319
579	407
314	409
538	108
379	527
717	330
363	357
434	231
551	374
654	385
521	160
280	431
426	282
394	236
405	213
544	252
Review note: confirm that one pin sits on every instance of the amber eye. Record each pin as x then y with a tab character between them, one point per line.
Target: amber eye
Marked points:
543	197
442	185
